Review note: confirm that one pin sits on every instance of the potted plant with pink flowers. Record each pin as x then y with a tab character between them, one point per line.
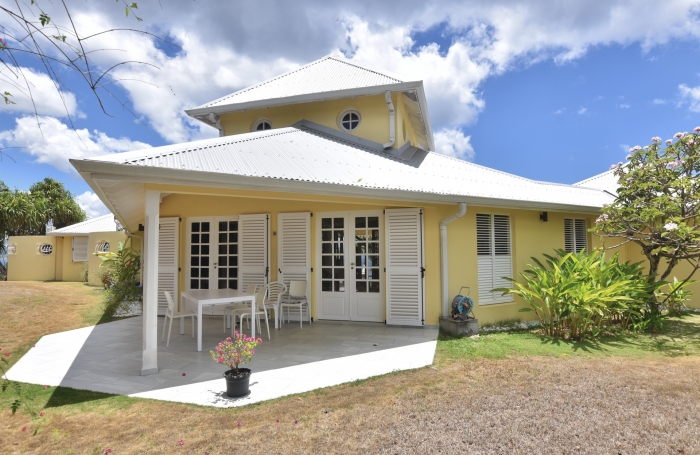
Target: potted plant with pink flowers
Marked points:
234	352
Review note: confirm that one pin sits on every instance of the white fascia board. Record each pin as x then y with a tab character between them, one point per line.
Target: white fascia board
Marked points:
166	176
306	98
87	176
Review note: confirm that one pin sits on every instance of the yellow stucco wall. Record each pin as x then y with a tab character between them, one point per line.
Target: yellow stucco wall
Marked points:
530	236
27	264
373	110
72	271
93	260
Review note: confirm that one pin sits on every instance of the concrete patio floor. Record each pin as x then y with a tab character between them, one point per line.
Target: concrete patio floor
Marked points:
107	358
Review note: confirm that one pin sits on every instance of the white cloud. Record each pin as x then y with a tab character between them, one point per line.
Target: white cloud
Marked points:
91	204
582	111
689	96
658	101
624	106
452	142
560	111
27	85
54	143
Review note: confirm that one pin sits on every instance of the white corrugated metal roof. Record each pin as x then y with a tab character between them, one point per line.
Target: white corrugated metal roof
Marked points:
307	155
606	181
104	223
327	74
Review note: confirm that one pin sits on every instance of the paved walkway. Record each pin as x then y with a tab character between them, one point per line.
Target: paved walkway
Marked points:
107	358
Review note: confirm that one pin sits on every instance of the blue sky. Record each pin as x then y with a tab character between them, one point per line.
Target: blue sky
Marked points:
548	94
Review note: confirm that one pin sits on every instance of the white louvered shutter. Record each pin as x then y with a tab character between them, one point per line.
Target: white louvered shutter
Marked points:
168	264
575	235
80	249
294	249
404	266
253	249
495	259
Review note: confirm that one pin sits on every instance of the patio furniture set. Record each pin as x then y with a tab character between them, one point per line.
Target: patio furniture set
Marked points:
253	303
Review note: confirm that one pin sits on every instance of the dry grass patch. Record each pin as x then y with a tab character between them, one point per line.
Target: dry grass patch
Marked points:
32	309
524	405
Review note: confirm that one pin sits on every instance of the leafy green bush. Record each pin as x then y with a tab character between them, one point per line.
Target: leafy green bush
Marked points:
578	295
674	295
123	266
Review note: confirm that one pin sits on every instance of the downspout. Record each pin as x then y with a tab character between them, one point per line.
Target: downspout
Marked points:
392	121
443	256
215	118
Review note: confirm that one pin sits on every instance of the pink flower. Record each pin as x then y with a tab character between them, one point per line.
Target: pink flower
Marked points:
296	421
240	424
7	354
24	428
635	148
46	387
669	142
697	129
108	451
181	442
41	414
678	135
184	374
656	139
277	421
670	226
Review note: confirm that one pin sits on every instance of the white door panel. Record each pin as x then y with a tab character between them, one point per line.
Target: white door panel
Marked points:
168	261
294	252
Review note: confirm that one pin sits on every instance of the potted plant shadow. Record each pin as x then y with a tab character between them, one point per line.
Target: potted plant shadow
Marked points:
234	352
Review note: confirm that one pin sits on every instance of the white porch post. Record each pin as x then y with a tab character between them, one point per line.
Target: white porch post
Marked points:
150	284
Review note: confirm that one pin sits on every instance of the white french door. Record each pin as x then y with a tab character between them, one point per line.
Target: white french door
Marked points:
351	281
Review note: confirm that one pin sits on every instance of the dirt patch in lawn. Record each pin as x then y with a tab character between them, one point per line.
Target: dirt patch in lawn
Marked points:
523	405
32	309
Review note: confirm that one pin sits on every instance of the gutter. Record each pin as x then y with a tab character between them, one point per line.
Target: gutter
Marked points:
392	122
214	119
444	276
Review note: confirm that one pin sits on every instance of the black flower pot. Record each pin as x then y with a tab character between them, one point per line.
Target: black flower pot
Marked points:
237	385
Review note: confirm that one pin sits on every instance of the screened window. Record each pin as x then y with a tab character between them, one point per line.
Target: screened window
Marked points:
350	120
575	236
80	249
262	125
495	259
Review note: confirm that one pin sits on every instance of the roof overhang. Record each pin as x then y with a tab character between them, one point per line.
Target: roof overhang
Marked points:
123	194
202	113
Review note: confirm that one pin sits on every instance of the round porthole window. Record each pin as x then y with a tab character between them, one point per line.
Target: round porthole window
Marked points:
262	125
11	248
349	120
102	247
45	249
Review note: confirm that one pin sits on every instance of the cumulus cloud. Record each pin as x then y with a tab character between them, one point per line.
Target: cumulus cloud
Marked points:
33	91
53	142
689	96
452	142
91	204
658	101
582	111
624	106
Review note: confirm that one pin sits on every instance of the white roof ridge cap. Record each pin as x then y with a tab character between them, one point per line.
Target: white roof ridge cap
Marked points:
595	177
65	229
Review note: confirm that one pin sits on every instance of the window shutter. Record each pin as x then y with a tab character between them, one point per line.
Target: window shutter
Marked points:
294	248
404	266
168	264
494	257
80	249
569	236
253	249
575	235
581	235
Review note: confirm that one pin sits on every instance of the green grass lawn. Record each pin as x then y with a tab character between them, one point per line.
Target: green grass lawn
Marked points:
679	337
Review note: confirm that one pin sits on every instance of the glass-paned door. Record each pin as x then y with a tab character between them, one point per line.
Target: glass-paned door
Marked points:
212	253
349	246
226	263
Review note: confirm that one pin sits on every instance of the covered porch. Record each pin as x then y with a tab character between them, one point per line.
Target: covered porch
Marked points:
108	358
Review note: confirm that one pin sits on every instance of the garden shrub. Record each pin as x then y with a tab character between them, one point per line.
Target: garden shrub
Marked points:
579	295
674	295
123	278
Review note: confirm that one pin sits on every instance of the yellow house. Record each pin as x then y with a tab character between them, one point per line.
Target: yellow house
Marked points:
64	254
328	174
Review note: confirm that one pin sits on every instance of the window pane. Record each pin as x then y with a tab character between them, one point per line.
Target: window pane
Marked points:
194	261
233	225
339	274
205	226
204	273
373	222
374	286
326	248
194	284
373	261
195	227
326	261
222	273
233	237
327	286
338	223
339	260
222	237
223	225
195	238
205	249
360	222
205	238
326	223
326	273
326	236
204	284
205	261
194	272
194	249
361	286
233	272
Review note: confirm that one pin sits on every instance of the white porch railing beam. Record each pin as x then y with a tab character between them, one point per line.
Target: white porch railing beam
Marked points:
150	284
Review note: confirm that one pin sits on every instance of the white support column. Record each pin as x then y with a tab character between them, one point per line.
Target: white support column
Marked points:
150	284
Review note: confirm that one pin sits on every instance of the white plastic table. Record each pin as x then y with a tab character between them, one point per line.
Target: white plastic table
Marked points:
202	297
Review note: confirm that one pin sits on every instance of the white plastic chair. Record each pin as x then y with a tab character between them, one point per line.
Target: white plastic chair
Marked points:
172	314
275	291
297	298
260	310
238	308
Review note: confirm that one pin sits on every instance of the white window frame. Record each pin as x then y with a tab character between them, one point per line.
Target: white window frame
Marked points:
573	229
73	252
491	298
259	121
343	114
